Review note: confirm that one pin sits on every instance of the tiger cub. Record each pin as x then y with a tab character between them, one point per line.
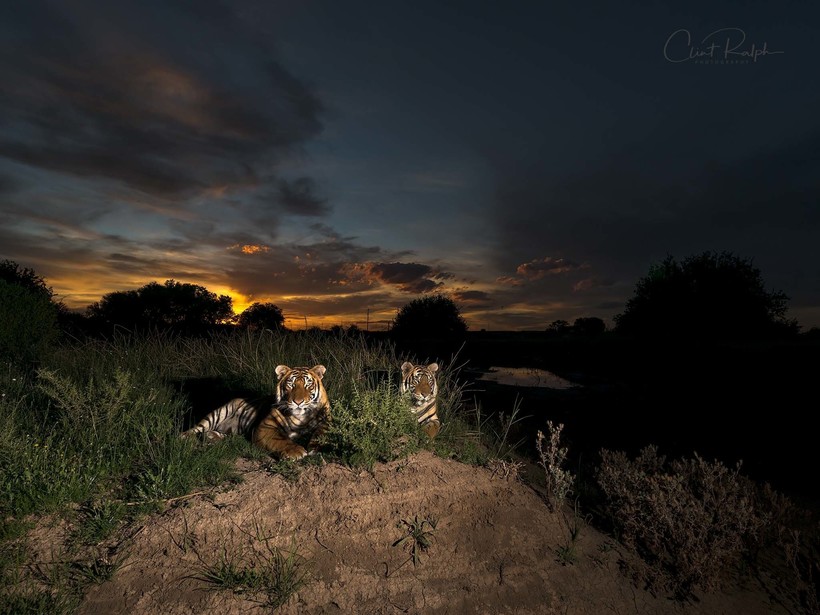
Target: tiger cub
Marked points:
297	418
420	383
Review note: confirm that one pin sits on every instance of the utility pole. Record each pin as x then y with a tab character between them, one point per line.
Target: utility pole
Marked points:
305	315
367	325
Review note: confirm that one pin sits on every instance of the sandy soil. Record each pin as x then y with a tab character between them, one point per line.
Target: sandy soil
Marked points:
494	549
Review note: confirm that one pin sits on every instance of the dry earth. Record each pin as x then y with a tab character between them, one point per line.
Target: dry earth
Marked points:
494	549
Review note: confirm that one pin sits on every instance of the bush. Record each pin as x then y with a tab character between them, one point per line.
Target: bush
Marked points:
28	326
706	296
372	425
262	316
689	520
431	317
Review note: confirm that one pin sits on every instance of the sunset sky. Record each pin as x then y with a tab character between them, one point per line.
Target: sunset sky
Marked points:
529	159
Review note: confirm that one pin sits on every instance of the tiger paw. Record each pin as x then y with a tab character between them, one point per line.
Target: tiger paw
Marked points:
293	452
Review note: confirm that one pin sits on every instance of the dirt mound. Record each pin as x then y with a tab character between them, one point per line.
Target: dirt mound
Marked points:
495	549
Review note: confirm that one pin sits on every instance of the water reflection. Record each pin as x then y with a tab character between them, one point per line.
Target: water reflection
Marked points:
527	377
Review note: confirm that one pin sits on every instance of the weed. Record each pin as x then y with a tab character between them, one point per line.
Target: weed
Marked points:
95	571
419	535
98	520
270	577
503	447
372	425
567	553
689	520
552	457
288	469
505	469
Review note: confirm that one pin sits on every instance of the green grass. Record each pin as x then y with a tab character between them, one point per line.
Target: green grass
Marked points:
95	429
372	425
267	575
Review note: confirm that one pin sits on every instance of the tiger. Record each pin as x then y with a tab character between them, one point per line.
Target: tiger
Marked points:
420	383
298	417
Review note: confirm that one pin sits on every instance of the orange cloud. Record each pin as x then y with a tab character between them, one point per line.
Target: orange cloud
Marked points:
249	248
537	269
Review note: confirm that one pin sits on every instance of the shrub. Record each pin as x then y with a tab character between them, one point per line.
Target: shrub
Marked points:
706	296
430	317
688	519
372	425
29	323
552	458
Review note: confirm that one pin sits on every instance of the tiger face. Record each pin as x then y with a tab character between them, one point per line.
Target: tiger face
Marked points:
300	389
419	383
300	414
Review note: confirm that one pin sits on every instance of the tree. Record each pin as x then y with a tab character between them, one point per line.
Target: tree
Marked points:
29	313
558	327
28	325
706	296
25	277
590	326
187	307
433	316
262	316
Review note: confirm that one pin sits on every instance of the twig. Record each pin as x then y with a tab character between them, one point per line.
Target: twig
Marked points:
169	500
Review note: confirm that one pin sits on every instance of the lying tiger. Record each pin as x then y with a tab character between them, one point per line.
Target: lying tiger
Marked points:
300	414
420	383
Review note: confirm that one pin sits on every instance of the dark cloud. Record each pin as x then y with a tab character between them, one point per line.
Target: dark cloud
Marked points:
298	197
400	273
97	90
621	217
590	283
471	297
8	184
538	268
407	277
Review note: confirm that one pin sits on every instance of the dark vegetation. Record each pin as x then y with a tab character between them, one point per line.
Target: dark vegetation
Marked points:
94	420
188	308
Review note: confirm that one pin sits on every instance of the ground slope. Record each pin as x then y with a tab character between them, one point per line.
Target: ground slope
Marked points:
494	550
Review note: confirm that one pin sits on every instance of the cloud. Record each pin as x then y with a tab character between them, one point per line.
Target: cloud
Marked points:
537	269
619	217
407	277
590	283
8	184
471	297
297	197
119	92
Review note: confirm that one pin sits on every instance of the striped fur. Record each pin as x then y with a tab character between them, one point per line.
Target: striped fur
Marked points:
298	416
420	383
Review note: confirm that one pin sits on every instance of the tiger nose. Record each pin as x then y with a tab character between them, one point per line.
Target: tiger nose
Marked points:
423	388
300	394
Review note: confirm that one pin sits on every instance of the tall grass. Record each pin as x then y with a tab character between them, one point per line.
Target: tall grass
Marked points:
97	425
101	417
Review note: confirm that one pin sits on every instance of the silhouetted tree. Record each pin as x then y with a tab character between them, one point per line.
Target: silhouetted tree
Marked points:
262	316
28	315
187	307
707	296
558	327
430	317
25	277
590	326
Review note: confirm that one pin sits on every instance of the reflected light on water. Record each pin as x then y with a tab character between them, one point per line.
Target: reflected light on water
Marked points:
527	377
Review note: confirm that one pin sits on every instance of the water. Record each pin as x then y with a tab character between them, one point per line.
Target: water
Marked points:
526	377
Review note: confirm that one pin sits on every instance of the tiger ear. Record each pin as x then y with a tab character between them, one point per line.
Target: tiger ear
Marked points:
433	367
319	370
406	368
281	370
